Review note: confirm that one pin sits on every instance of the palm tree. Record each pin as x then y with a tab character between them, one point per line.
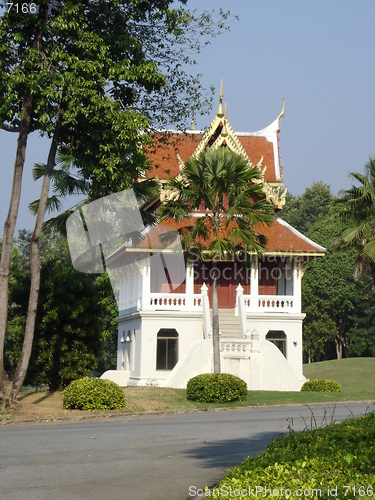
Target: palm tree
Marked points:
225	190
359	209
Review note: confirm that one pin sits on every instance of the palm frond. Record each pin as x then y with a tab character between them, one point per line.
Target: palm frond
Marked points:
53	203
39	170
369	251
223	184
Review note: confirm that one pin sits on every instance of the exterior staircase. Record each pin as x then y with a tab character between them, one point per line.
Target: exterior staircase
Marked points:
229	324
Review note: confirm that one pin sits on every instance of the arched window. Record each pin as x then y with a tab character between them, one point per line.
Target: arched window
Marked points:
278	338
166	349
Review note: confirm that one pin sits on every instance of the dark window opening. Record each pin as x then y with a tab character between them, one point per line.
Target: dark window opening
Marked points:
278	338
166	349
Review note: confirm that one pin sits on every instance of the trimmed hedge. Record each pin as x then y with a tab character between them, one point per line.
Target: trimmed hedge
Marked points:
337	461
93	394
216	388
319	385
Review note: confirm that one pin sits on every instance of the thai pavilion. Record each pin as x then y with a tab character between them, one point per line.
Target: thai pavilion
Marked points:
164	323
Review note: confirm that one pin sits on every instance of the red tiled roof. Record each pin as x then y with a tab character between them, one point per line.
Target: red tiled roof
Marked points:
281	237
163	154
255	148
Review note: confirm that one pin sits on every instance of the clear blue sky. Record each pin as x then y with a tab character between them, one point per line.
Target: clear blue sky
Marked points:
319	55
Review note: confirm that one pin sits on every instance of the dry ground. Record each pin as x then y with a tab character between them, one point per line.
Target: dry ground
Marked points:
47	406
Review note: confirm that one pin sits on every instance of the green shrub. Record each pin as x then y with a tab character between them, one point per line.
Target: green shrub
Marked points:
93	394
216	388
337	461
321	386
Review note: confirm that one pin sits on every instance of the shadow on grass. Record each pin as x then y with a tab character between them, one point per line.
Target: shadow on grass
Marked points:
43	396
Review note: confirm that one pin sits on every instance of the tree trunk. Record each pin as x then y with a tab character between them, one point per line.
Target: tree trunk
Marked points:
215	320
10	223
339	347
23	364
9	228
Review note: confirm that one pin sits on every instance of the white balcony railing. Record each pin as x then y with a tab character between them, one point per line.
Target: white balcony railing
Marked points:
194	302
181	301
271	303
174	302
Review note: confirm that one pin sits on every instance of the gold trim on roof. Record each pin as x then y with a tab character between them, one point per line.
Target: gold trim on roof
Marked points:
224	131
220	112
228	137
281	115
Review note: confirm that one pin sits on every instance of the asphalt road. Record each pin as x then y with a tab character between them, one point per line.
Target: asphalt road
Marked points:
145	458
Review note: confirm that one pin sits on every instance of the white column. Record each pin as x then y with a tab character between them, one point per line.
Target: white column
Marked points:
146	284
121	294
239	292
189	287
139	292
297	291
254	298
125	285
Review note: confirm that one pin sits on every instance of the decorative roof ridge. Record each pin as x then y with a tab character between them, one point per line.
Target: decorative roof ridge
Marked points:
274	126
175	131
207	135
300	235
233	136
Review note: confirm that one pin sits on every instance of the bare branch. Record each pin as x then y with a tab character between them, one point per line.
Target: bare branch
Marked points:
9	128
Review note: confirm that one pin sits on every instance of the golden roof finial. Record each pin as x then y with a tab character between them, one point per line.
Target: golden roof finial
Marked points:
280	115
192	122
224	130
220	112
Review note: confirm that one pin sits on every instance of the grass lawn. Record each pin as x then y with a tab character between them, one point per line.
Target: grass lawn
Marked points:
356	376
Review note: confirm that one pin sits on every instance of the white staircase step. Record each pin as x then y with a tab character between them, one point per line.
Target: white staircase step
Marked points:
229	324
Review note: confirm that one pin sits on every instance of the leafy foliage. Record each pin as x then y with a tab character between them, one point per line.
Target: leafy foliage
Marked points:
361	333
216	388
358	205
93	394
76	317
109	311
108	54
338	308
303	211
321	386
93	76
339	455
328	290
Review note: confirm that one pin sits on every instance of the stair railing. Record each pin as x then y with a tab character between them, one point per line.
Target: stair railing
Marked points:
240	311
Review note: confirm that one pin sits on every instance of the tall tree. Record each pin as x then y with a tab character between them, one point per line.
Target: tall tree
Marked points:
361	334
358	209
72	320
89	75
329	291
223	184
304	210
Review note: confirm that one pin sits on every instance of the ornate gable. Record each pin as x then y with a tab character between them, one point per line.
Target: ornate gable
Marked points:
261	149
